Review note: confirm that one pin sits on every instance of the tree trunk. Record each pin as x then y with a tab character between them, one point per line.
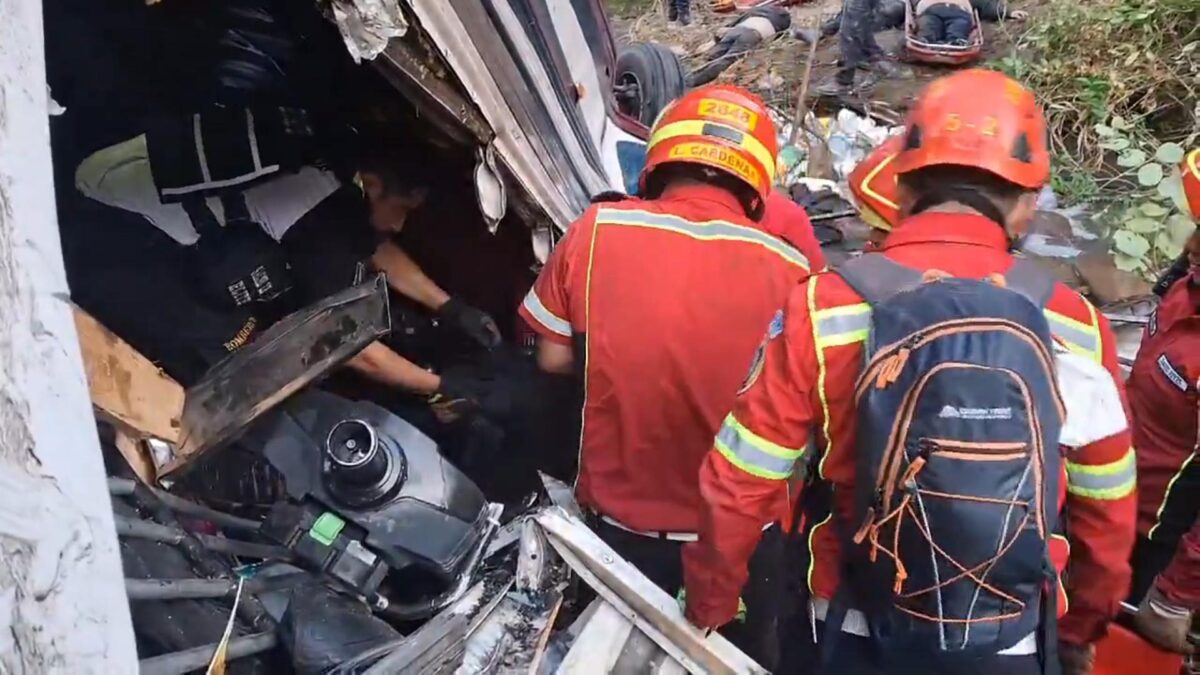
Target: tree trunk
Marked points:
62	596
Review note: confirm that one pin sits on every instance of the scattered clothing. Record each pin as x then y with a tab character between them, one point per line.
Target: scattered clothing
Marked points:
754	28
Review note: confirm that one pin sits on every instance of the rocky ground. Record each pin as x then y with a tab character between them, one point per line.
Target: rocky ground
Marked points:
776	71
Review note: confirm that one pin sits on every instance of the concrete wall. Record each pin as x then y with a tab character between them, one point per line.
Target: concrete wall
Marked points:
62	596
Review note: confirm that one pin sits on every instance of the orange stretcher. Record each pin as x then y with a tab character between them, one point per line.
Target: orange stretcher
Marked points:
1123	652
950	55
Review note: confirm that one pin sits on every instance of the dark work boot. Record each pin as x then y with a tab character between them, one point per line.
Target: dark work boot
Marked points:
684	8
672	11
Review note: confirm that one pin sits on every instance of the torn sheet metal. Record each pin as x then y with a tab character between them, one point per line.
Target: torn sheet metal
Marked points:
367	25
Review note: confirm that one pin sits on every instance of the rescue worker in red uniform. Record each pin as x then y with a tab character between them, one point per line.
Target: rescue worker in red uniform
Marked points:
873	190
658	304
1163	399
788	221
974	157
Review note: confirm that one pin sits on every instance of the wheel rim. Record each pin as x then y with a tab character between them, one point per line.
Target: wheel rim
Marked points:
629	94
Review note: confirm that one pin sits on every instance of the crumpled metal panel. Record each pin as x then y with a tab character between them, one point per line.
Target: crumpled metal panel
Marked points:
463	47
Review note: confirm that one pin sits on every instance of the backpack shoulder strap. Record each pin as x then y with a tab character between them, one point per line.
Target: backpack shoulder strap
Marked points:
876	277
1030	280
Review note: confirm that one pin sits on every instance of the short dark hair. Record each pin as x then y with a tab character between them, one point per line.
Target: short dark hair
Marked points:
402	165
936	185
670	171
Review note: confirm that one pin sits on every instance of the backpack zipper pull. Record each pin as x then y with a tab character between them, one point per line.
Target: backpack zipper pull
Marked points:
890	372
867	524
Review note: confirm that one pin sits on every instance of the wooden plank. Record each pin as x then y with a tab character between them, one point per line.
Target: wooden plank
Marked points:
137	457
126	388
649	607
599	645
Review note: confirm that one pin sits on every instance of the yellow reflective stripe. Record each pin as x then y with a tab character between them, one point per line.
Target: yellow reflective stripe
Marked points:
1079	337
812	312
1065	596
725	133
870	178
843	325
754	454
812	558
709	230
1167	495
549	320
1103	481
744	434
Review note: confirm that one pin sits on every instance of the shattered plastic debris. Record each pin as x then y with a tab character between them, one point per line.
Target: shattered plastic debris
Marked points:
848	135
367	26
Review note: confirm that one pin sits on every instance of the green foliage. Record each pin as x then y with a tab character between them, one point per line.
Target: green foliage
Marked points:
1147	225
1119	81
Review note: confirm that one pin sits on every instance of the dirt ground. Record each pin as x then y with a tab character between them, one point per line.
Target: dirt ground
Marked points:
776	71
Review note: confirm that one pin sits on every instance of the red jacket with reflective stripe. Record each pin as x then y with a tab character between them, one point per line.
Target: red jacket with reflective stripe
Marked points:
804	393
787	220
667	299
1162	395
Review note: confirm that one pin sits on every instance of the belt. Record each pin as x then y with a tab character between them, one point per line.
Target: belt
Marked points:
855	623
669	536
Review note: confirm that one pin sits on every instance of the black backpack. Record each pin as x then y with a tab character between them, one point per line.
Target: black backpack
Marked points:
959	464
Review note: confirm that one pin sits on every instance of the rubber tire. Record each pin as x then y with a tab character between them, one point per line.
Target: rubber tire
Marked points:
659	75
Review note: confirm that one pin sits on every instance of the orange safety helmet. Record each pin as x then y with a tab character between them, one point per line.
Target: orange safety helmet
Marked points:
980	119
722	127
873	185
1191	181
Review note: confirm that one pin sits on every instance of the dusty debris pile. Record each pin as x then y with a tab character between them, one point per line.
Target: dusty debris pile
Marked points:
549	597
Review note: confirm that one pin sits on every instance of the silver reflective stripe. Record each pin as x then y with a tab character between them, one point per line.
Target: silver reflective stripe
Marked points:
544	316
843	323
1104	481
750	457
1080	338
711	230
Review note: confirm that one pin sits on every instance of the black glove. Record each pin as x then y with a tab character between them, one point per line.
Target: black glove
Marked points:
1076	659
458	387
476	324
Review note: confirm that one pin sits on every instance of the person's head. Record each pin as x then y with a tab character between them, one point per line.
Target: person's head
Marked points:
718	134
976	141
873	189
394	184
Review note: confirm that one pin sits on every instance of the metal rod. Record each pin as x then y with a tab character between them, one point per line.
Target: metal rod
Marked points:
123	486
832	216
197	658
250	609
144	529
181	589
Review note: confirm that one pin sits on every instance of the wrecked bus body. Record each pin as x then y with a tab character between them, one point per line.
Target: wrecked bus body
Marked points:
276	500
